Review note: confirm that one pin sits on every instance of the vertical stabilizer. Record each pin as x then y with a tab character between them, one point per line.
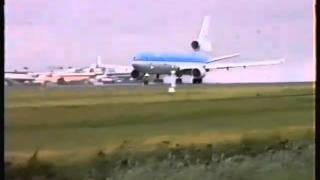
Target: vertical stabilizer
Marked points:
204	32
99	64
203	43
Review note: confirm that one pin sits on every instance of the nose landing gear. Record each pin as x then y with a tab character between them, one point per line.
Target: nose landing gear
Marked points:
179	75
157	79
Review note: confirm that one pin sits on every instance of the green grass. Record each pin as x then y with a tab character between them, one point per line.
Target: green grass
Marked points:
71	123
200	132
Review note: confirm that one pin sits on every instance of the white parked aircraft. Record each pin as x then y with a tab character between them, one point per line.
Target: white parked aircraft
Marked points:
94	73
111	72
196	64
19	77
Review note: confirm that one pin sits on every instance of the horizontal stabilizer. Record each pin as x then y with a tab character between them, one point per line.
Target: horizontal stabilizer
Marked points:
222	57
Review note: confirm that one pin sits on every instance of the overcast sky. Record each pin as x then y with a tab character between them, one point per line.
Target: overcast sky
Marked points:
40	33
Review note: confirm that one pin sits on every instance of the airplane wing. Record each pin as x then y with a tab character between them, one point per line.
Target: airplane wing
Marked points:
242	64
222	57
119	74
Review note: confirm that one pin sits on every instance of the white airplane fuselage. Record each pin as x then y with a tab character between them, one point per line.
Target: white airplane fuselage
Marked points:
156	67
164	63
21	77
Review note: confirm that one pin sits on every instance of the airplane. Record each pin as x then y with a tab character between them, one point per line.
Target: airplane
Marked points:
196	64
67	76
92	74
62	77
19	77
112	73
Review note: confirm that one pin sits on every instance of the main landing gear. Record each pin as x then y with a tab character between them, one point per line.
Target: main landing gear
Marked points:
197	81
178	81
146	78
158	80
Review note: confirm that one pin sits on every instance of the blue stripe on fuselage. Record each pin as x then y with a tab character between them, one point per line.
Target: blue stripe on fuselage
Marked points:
171	57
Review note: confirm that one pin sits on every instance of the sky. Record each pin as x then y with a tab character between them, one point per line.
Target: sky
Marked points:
40	33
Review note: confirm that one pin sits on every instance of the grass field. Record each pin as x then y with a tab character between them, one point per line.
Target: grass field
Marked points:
70	124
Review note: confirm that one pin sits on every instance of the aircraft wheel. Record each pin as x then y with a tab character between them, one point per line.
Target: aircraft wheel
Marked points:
178	81
158	80
194	81
145	82
86	82
197	81
46	83
61	81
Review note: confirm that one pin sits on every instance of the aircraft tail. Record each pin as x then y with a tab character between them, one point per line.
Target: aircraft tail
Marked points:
98	63
203	43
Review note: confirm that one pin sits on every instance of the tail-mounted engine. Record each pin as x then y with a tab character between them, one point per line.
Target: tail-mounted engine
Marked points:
201	45
195	45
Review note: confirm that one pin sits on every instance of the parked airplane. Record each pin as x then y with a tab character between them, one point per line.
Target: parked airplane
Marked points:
62	77
18	77
196	64
98	72
112	73
69	75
